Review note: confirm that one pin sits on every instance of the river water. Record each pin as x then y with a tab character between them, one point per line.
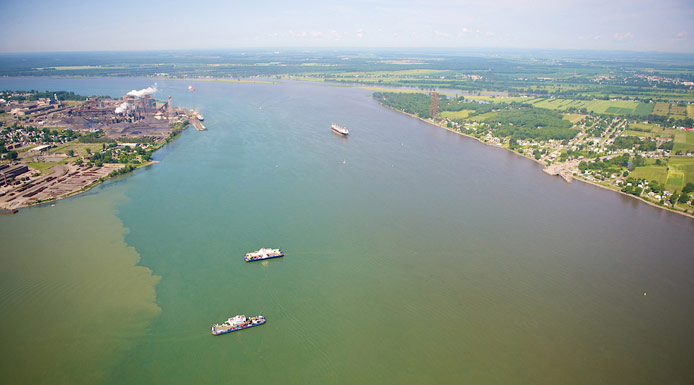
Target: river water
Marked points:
413	256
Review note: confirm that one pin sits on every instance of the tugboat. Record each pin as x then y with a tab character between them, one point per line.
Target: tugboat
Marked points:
263	254
342	131
236	323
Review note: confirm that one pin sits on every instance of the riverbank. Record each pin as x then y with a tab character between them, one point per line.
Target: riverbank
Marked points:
68	180
225	80
579	178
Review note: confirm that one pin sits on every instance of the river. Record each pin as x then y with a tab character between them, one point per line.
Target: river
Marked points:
413	256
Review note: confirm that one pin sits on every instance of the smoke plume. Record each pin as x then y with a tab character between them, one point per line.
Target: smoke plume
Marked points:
122	108
143	92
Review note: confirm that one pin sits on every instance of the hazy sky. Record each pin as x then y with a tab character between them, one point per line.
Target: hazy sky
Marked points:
79	25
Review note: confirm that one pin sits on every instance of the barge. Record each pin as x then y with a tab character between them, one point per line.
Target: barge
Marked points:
236	323
263	254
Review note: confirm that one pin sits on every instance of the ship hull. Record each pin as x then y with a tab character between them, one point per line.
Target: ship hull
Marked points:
338	132
236	329
264	258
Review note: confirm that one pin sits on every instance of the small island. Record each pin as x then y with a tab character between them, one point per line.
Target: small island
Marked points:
56	144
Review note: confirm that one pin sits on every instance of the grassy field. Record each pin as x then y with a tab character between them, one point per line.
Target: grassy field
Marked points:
678	112
42	167
573	118
690	110
78	148
482	117
684	141
640	134
658	173
653	128
455	115
399	90
616	107
661	108
681	172
500	99
644	109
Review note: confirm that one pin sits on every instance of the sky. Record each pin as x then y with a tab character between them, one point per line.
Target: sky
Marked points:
79	25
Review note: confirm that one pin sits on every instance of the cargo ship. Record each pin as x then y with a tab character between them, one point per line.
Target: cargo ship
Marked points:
342	131
236	323
263	254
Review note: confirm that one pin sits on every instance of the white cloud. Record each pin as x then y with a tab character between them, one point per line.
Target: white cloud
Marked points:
360	33
622	36
681	35
440	34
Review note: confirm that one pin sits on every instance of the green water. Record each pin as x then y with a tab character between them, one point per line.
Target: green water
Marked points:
413	256
73	302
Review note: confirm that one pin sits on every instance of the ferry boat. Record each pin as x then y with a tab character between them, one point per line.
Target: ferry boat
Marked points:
236	323
263	254
199	116
339	130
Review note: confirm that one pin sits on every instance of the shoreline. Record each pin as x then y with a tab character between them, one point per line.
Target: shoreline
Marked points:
95	182
578	178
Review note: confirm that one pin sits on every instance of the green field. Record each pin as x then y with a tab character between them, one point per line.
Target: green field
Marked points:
42	167
678	112
619	110
616	107
644	109
640	134
398	90
574	118
681	172
684	141
661	108
501	99
456	115
78	148
652	128
690	110
650	173
483	117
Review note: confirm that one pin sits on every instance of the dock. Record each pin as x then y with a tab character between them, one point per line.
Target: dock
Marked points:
198	124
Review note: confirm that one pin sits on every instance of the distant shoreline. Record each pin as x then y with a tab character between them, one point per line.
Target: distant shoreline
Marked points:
223	80
578	178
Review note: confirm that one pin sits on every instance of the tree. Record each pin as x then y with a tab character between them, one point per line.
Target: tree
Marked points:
12	155
70	153
673	198
683	198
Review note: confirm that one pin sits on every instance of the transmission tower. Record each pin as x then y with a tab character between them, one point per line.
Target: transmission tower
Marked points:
434	108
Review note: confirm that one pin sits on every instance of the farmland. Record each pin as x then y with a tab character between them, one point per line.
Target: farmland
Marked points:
684	142
661	109
455	115
678	112
681	172
650	173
